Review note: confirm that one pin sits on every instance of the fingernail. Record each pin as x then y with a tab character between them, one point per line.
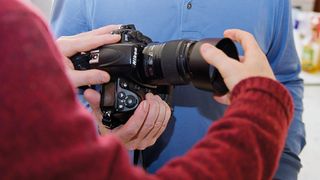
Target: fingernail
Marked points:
104	77
115	35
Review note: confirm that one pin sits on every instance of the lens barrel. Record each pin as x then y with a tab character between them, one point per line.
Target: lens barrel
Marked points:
179	62
167	63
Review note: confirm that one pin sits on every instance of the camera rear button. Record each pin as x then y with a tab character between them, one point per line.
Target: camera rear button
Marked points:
136	87
121	95
120	106
131	102
124	84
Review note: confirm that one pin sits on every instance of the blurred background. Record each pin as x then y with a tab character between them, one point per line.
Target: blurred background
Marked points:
306	24
44	6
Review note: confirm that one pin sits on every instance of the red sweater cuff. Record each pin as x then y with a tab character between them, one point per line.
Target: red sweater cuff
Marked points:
270	87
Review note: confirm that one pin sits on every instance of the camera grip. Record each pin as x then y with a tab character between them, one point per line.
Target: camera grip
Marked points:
80	62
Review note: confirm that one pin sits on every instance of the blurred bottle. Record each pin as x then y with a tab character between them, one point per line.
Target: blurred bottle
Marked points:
311	50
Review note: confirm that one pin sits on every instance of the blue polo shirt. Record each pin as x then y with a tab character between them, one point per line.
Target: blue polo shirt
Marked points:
194	110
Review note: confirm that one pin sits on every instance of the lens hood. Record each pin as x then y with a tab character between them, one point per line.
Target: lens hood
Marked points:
205	76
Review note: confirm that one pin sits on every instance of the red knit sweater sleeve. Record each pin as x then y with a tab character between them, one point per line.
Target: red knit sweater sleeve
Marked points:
45	133
247	142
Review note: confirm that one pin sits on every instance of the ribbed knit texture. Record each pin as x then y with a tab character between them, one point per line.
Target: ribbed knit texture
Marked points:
46	134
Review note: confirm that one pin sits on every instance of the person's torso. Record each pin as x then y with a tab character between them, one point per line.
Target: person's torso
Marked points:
194	110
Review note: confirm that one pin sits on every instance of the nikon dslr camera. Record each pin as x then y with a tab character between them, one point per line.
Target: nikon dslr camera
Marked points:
138	66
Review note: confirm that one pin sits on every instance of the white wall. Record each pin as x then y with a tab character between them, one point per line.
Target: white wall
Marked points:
306	5
44	6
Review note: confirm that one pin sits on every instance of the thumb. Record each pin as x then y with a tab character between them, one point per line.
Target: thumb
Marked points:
93	98
216	58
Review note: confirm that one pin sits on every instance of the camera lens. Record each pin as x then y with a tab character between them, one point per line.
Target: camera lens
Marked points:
166	63
180	62
208	77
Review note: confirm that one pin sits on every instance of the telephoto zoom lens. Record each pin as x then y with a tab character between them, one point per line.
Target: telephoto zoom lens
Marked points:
179	62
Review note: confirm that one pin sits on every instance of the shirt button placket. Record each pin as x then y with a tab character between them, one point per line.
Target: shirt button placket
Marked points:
189	30
189	5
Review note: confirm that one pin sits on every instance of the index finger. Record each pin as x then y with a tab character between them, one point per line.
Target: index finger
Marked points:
88	77
89	43
131	128
100	31
247	40
82	44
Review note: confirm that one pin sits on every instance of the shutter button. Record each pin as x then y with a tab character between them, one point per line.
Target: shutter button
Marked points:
189	5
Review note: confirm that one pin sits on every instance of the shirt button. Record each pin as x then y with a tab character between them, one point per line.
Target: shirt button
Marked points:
189	5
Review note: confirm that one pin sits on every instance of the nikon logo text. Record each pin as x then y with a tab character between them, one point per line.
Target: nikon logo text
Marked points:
135	56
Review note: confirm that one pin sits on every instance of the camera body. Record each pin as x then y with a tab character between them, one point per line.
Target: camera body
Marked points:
138	66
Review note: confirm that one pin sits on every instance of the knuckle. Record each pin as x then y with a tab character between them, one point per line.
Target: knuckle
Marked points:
155	103
148	126
130	147
141	148
158	98
164	105
130	133
169	112
88	78
164	125
167	107
62	38
249	36
158	124
61	41
154	109
165	122
146	144
153	141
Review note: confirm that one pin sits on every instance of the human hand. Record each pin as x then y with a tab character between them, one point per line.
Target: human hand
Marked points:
143	128
71	45
253	63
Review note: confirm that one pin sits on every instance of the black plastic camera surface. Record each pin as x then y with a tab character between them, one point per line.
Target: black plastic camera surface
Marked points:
127	95
122	95
138	66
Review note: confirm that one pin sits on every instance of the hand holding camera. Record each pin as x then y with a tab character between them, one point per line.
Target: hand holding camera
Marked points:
143	128
149	119
138	66
151	69
70	45
253	64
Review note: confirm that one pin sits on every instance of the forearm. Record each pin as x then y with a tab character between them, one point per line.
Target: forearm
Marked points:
62	142
246	143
